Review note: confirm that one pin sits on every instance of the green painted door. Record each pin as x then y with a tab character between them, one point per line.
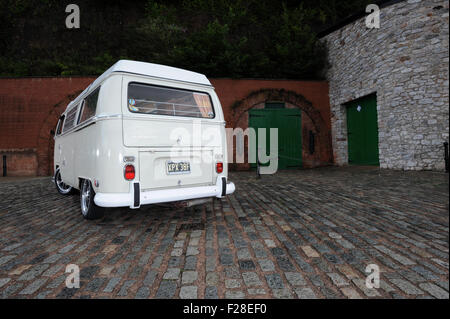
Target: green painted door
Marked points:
362	130
288	122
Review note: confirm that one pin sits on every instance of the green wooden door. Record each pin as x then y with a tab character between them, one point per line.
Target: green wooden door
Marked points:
362	130
288	122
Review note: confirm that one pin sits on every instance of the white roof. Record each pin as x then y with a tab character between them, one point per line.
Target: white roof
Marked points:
156	70
150	69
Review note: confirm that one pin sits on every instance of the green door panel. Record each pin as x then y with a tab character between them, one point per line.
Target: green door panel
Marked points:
362	130
288	122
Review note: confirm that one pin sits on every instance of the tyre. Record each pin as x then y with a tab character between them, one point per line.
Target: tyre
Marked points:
88	207
61	186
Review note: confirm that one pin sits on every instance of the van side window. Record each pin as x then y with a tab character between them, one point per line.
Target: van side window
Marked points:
151	99
89	106
70	118
60	125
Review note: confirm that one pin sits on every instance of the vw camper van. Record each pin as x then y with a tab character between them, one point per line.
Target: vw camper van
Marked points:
141	134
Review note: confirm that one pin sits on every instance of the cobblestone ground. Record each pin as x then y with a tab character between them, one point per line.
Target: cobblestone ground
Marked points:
298	234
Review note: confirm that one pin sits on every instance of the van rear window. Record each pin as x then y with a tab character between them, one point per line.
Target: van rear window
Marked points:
70	118
150	99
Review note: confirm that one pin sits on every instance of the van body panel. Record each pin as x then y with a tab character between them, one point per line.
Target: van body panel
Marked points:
142	132
154	168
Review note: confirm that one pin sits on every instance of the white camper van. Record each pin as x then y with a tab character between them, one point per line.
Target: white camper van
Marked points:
140	134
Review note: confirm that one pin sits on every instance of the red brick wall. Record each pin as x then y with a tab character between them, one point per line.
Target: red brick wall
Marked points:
230	91
29	109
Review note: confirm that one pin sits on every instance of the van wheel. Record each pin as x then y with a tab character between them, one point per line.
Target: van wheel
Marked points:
88	207
61	186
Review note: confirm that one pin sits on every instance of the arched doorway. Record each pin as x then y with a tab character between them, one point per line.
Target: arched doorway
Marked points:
45	142
315	134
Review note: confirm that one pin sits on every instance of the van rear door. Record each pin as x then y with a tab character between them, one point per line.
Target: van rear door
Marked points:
162	169
177	129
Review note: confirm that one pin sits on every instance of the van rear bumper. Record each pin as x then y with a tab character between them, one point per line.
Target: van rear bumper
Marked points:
135	198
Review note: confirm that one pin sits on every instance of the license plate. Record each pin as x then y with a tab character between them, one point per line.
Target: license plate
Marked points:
178	167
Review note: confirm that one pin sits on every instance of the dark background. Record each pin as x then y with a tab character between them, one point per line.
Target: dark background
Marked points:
220	38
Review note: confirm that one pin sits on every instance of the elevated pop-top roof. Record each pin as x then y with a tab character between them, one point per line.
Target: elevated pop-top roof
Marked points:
150	69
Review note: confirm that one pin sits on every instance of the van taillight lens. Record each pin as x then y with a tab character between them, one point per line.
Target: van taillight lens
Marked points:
129	172
219	167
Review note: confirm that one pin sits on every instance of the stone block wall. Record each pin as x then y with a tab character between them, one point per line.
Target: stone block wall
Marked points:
406	63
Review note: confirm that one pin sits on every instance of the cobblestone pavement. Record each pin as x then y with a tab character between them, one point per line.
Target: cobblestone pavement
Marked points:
298	234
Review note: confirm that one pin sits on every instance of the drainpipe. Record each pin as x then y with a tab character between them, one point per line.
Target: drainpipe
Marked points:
4	165
446	156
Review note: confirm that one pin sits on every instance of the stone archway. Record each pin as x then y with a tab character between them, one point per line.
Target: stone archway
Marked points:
240	111
45	140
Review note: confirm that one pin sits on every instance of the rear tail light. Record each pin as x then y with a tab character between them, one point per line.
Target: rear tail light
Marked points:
219	167
129	172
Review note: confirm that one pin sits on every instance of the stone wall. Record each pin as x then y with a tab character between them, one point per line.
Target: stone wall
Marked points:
406	63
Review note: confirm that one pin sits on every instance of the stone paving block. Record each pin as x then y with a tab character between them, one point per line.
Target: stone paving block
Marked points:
95	284
142	293
176	252
270	243
226	259
174	262
347	271
34	272
123	292
189	277
256	291
369	292
157	262
243	253
351	293
434	290
251	279
266	265
112	284
305	293
179	244
284	293
106	271
246	264
337	279
310	252
33	287
172	274
401	259
295	278
406	287
212	279
19	270
194	241
274	281
211	292
232	283
188	292
210	263
234	294
4	281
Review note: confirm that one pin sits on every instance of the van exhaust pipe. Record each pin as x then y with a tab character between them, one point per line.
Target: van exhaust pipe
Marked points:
186	203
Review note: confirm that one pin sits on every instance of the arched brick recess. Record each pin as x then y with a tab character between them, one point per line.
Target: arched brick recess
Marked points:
241	108
45	140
